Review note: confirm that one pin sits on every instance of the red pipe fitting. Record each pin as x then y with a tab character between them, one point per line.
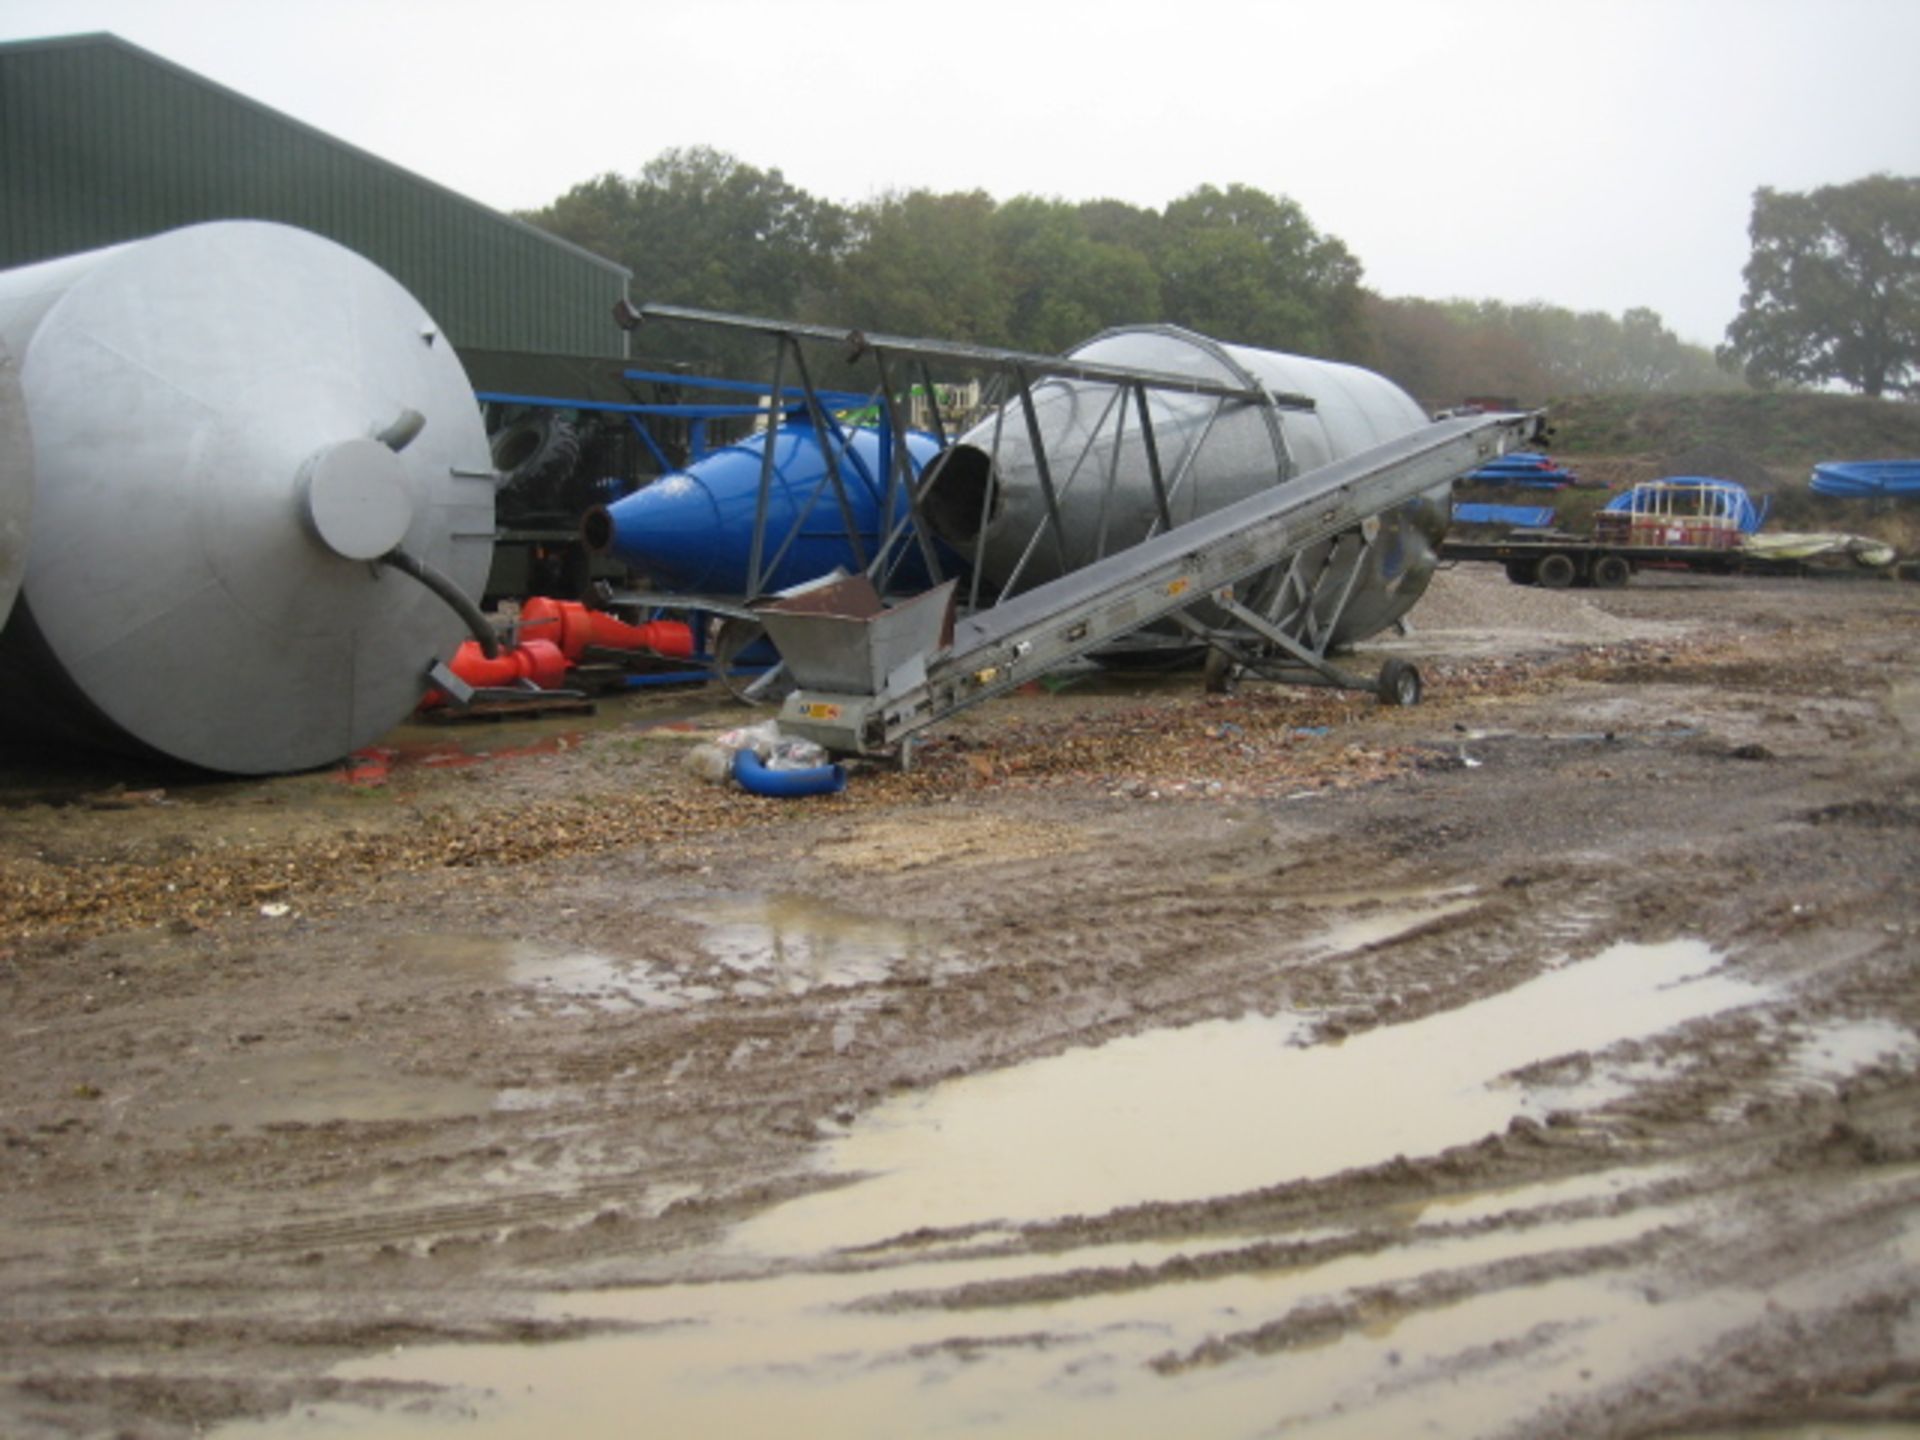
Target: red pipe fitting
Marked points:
537	660
573	627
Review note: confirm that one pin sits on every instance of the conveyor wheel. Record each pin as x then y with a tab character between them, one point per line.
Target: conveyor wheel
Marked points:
1399	684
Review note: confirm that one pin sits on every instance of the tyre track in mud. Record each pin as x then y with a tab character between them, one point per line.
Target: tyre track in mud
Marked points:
641	1134
1474	949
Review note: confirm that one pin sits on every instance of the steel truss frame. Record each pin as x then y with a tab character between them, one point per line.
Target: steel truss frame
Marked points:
1276	623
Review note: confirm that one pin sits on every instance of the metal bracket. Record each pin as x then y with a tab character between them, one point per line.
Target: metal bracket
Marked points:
462	696
458	692
1279	638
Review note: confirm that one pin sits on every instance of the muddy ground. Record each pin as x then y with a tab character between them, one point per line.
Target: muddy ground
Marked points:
1541	1060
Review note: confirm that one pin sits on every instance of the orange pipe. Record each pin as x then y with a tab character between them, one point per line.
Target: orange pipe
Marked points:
537	660
573	627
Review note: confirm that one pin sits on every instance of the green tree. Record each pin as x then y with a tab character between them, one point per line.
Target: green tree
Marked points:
1115	222
1247	266
1063	285
1833	288
1591	353
697	227
1446	350
922	264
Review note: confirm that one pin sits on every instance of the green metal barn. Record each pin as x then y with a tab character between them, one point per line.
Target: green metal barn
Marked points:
101	142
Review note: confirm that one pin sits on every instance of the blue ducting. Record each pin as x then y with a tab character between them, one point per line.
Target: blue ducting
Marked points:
1525	468
1527	516
1866	479
752	775
693	530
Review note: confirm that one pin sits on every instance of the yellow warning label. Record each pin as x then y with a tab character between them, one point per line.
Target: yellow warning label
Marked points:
1178	587
820	712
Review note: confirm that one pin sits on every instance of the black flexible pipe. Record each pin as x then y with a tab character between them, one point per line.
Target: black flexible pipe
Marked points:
444	587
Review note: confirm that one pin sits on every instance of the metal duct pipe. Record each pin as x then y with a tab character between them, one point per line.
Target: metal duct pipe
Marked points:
232	426
694	531
991	500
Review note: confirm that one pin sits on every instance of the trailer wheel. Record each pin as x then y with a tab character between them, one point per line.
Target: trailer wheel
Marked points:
1520	572
1399	684
1610	572
1556	571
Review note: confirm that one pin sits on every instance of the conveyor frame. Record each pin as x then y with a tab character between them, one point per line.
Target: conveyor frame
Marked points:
1028	634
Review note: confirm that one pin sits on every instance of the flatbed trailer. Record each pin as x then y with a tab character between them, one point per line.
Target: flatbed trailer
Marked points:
1687	522
1555	560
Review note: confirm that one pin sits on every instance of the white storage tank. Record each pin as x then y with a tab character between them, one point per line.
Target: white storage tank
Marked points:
229	438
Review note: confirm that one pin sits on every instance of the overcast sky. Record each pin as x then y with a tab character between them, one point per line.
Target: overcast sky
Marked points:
1593	155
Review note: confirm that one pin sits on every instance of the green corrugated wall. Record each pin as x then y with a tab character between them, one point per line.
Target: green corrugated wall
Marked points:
102	142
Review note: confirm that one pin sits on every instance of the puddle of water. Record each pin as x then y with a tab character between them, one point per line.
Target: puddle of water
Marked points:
798	944
1380	926
770	943
1566	1340
1515	1200
1818	1430
600	982
1227	1106
1376	896
788	1353
801	1354
570	981
1836	1051
312	1087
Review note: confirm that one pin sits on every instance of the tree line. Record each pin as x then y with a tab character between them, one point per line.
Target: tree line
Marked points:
698	227
1833	288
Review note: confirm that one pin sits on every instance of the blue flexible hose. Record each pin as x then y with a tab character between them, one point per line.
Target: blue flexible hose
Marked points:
754	777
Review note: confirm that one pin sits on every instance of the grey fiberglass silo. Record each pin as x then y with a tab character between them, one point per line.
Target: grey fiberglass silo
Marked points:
232	425
1210	453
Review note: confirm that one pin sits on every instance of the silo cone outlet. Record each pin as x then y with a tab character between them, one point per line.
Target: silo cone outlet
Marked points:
232	425
692	531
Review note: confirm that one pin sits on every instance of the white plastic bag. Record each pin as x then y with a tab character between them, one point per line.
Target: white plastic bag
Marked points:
713	759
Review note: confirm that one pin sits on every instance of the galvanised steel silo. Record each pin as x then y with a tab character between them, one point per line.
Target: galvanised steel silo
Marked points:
987	499
237	437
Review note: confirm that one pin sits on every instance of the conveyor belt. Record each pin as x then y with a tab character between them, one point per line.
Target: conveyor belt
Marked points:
1028	634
